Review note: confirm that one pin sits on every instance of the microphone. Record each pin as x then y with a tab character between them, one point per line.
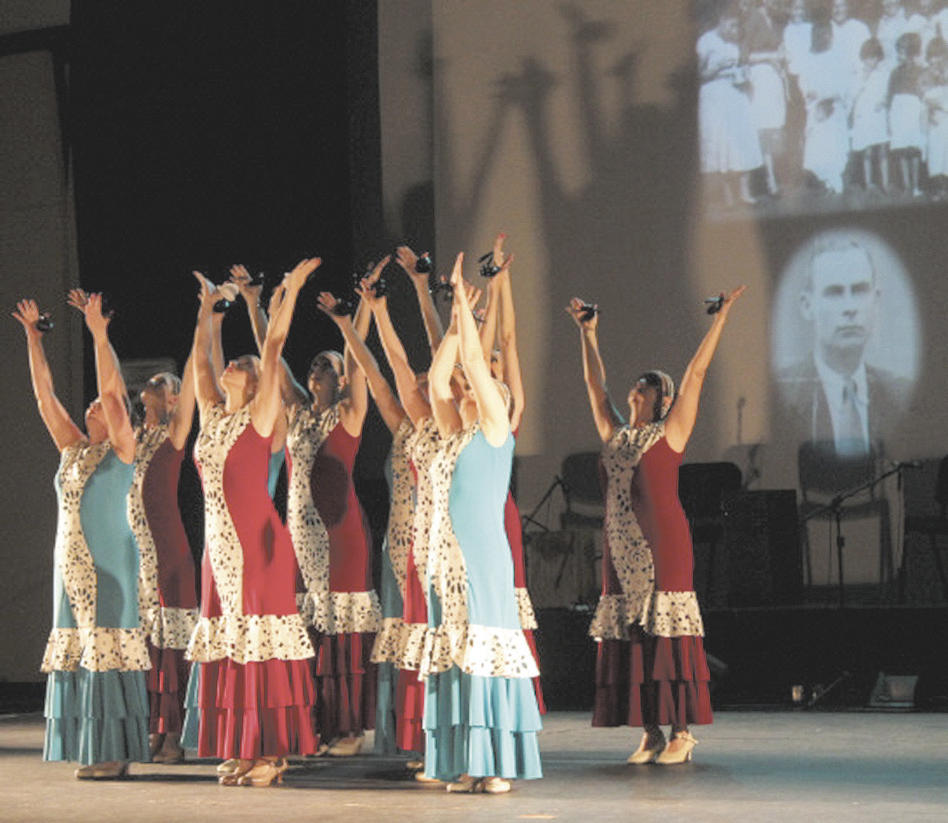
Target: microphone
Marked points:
714	303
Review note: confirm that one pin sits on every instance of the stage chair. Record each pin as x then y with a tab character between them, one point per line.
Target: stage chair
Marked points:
702	489
581	477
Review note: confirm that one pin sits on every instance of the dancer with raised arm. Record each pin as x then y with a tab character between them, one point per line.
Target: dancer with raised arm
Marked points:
330	533
505	366
651	667
96	657
397	545
167	592
481	717
256	693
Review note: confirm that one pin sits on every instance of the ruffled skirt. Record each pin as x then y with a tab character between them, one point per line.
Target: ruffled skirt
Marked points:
345	684
250	710
96	717
166	682
409	727
650	681
480	726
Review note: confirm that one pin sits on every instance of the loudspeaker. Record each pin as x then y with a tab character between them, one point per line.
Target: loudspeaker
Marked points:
762	536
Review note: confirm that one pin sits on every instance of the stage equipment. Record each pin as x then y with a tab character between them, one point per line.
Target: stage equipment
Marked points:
894	691
582	482
827	482
933	527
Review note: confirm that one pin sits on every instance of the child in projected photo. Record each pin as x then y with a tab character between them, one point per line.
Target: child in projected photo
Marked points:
906	139
869	126
935	97
825	83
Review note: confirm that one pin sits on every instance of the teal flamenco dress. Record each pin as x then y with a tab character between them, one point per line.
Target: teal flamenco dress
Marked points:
481	717
96	701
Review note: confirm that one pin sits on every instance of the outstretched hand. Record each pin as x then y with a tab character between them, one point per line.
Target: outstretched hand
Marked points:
327	303
249	290
366	292
576	309
731	297
373	276
96	321
297	278
407	259
502	262
77	298
207	293
28	313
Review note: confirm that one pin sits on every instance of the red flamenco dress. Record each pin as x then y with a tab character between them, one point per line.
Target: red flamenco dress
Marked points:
651	667
167	591
332	541
256	694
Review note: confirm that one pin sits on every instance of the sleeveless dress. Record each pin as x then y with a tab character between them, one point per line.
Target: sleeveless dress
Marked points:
255	693
481	716
651	667
166	579
96	703
513	528
422	447
395	553
332	541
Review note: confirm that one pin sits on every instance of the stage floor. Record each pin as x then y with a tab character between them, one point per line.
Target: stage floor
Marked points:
750	766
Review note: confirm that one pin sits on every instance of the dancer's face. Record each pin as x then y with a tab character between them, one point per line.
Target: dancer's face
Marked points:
96	426
325	374
158	396
241	375
642	399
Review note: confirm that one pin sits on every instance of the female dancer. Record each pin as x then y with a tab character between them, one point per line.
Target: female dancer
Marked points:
421	447
167	594
96	703
330	534
385	653
651	668
481	714
256	690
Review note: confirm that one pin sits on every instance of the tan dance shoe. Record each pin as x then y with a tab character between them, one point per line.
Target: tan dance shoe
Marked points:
263	773
170	751
421	777
650	748
228	766
240	768
112	770
493	785
346	746
681	754
463	785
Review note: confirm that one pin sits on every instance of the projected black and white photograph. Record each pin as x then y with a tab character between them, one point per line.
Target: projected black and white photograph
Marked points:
815	106
845	341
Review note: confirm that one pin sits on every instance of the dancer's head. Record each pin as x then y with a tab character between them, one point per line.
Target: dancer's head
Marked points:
160	395
96	426
326	379
240	378
651	397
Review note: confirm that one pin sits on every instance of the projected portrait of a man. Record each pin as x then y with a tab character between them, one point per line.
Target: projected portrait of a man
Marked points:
836	393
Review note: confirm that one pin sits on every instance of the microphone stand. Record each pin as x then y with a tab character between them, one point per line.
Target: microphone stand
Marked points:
835	505
529	518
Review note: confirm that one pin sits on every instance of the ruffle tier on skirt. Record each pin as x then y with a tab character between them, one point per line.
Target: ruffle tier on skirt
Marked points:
345	684
250	710
166	682
480	726
651	680
96	717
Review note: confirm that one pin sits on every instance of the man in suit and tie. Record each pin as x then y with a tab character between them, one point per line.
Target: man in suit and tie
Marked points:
836	399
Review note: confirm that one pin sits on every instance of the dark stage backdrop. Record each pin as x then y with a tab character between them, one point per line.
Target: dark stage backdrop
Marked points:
213	133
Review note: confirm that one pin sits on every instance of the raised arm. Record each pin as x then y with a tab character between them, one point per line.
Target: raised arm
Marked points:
414	401
110	373
268	402
58	422
292	391
488	330
206	387
182	417
605	415
509	353
681	419
443	408
111	390
491	409
407	259
388	405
